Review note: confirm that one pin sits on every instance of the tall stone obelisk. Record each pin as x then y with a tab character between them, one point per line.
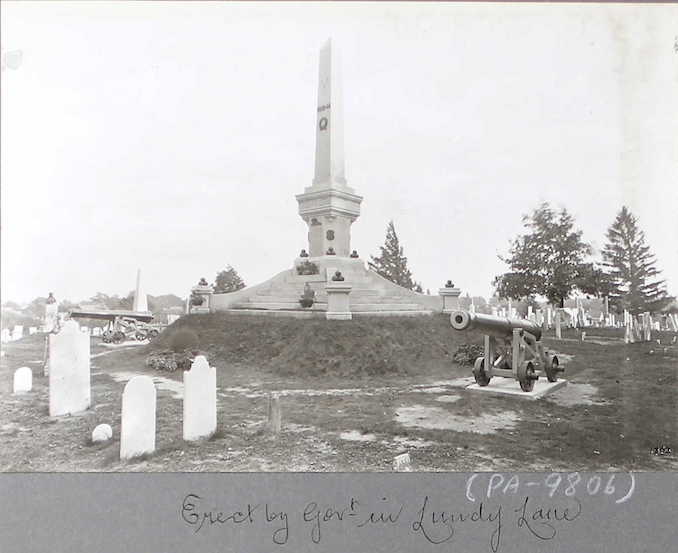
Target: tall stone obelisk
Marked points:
140	300
329	206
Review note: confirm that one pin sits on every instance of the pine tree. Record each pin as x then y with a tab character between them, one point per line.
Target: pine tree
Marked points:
392	264
228	280
631	268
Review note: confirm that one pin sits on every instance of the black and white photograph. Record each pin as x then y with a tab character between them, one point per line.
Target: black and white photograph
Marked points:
339	237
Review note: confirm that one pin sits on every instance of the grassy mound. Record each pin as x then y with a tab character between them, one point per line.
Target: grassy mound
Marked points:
362	347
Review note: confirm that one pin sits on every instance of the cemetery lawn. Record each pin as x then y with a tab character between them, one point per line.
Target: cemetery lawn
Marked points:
354	395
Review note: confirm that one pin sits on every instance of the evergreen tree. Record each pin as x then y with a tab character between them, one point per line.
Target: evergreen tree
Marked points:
392	264
228	280
631	268
547	261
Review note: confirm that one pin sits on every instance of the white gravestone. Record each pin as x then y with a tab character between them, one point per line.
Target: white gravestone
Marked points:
23	380
102	433
137	430
200	400
402	463
18	332
69	371
32	330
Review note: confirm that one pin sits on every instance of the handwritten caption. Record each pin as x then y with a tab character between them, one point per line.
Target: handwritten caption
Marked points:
490	502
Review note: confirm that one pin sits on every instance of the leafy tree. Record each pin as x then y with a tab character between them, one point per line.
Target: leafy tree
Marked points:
392	264
594	281
631	268
228	280
547	260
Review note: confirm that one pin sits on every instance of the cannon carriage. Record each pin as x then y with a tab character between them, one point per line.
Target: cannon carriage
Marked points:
512	349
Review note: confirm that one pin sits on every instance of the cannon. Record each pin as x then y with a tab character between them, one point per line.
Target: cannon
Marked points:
513	349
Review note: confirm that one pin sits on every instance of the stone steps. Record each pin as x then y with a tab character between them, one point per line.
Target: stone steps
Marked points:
317	306
322	297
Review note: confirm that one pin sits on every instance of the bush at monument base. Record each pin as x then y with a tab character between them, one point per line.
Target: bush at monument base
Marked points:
171	361
467	354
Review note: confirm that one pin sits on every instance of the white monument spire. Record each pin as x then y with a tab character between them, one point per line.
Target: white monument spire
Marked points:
329	206
140	300
329	133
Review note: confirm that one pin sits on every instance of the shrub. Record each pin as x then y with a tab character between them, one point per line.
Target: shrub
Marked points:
307	268
170	361
467	354
183	339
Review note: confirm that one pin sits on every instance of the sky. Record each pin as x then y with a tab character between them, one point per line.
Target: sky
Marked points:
174	137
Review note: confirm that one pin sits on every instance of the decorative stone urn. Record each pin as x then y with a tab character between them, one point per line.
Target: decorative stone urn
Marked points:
450	297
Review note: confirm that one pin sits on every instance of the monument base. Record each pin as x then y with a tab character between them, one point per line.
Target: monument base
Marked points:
370	294
510	387
338	316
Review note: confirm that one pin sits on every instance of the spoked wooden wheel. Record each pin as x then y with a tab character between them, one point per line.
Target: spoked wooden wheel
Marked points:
479	372
552	370
118	337
527	376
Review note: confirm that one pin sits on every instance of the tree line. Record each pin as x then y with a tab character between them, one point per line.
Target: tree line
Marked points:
549	260
553	261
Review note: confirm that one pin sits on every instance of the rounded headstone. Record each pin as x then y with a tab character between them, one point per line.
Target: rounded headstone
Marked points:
137	430
23	380
102	433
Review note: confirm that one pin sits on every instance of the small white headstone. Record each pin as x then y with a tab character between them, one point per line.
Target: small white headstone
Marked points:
23	380
102	433
32	330
69	371
274	413
200	400
137	431
402	463
18	332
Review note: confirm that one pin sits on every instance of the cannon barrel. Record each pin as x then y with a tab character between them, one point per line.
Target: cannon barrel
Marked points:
501	327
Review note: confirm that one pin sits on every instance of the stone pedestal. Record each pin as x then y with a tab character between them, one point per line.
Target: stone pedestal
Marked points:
205	292
51	309
338	307
450	299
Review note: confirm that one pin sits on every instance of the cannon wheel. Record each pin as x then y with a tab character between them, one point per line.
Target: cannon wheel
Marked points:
479	372
152	334
107	336
118	337
526	376
552	369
